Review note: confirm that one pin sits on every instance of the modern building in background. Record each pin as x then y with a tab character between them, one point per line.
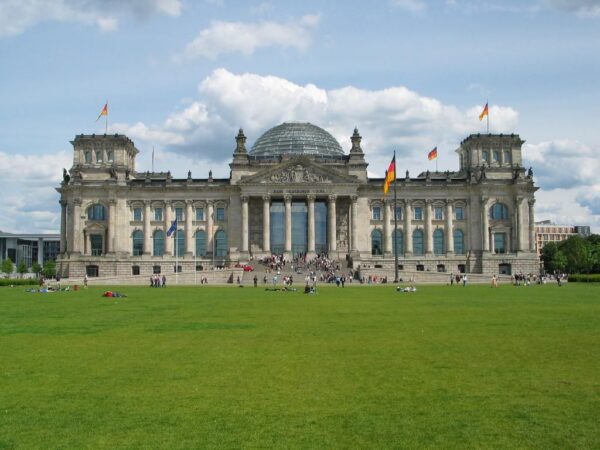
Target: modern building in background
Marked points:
29	248
546	231
297	192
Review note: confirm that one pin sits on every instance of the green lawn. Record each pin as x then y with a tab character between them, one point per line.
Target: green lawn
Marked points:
360	367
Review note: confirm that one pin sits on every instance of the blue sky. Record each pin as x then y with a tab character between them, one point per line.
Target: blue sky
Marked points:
183	76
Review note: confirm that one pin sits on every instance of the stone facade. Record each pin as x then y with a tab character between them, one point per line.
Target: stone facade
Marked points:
478	219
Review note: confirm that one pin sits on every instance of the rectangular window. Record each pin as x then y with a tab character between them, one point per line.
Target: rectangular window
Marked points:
499	243
418	213
137	214
398	213
376	213
220	214
158	214
438	213
179	214
110	156
459	213
199	213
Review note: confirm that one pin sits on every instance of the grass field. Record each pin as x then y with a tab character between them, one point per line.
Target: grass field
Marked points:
360	367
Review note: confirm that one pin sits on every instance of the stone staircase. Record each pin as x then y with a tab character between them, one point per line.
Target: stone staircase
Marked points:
429	277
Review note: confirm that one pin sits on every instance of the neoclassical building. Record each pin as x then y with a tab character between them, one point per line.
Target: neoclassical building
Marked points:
296	191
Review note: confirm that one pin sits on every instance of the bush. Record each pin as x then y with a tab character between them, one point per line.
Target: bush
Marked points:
18	282
584	278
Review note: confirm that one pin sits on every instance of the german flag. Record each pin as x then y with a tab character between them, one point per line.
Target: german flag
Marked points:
390	175
432	154
484	112
104	112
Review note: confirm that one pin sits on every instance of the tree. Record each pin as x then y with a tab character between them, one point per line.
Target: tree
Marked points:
577	251
22	268
549	254
7	266
49	269
36	268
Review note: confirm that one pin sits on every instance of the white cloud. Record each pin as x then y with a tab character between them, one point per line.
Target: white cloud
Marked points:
246	38
410	5
16	16
583	8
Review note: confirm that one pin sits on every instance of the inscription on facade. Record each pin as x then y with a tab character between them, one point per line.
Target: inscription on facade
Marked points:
297	174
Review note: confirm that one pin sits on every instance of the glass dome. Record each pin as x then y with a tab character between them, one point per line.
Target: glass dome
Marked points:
295	138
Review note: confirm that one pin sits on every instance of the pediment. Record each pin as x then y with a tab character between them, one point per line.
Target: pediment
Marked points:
298	172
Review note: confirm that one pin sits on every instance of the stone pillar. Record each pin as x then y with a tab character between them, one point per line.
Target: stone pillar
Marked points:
168	220
77	233
244	223
408	242
266	224
209	227
147	229
288	223
354	224
532	243
189	231
387	238
310	199
63	227
428	228
112	219
449	228
485	221
332	225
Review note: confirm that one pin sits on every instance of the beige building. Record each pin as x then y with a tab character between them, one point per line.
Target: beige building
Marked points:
546	231
296	191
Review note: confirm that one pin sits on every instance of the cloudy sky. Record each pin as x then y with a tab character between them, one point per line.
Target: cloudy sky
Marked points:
182	76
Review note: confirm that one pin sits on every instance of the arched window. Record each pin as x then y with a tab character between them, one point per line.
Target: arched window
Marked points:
88	157
495	156
138	243
499	211
97	212
399	237
438	242
418	242
98	156
159	243
459	242
507	159
110	156
180	240
485	156
200	243
220	243
376	244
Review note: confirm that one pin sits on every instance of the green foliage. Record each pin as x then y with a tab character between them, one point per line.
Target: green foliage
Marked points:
360	367
36	268
573	255
49	269
584	278
18	282
22	268
8	266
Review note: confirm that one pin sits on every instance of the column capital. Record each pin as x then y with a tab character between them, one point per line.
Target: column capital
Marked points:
167	202
244	198
531	201
77	201
484	200
112	202
287	198
189	202
332	198
354	198
147	202
266	198
62	203
311	197
407	202
449	201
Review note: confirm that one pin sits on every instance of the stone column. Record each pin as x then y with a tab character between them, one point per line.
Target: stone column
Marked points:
77	233
110	240
244	223
310	199
209	227
189	231
288	223
147	229
408	242
168	220
428	228
354	224
485	221
332	225
266	224
387	238
449	228
532	243
63	227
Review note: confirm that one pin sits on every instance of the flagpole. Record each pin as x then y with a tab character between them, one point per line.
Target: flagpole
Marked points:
153	159
395	224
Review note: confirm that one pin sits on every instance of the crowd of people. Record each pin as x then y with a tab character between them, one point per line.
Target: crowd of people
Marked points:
157	281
